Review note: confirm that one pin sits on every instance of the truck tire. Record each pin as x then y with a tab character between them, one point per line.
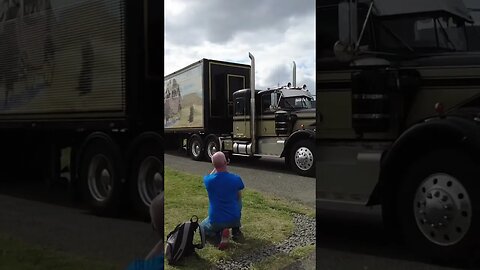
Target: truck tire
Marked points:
101	175
302	158
146	178
439	205
212	146
195	147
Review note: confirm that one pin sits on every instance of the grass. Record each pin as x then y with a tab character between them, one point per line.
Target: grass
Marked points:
18	255
266	220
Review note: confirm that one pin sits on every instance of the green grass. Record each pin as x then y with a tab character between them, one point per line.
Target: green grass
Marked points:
266	220
18	255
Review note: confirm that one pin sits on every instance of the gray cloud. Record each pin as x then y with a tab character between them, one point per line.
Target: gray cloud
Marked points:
279	76
218	21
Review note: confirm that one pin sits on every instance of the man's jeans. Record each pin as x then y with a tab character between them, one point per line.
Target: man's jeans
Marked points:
214	230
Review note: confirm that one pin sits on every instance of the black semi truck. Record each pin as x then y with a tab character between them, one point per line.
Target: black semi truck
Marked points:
80	91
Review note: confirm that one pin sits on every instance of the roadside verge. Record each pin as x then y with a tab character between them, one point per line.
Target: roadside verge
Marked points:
277	232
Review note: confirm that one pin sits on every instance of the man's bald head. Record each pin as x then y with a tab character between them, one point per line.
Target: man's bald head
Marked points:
219	161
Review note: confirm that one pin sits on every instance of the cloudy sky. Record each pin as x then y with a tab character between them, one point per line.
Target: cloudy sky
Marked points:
276	32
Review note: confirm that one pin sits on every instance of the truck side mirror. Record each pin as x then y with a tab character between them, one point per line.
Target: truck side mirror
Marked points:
344	48
273	101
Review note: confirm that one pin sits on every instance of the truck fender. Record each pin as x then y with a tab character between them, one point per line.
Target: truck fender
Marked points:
420	138
295	137
148	136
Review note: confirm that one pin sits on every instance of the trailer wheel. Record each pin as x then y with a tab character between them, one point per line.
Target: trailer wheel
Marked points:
438	205
302	158
100	176
213	145
196	147
146	179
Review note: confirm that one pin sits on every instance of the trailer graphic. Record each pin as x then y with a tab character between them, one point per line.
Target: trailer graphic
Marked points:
79	93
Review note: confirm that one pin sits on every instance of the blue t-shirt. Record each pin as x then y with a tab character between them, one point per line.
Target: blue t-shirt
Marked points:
155	263
222	189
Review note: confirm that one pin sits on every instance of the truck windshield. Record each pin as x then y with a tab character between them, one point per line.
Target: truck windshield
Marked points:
422	34
296	103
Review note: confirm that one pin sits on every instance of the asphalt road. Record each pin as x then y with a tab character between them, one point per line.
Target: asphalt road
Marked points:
49	218
348	237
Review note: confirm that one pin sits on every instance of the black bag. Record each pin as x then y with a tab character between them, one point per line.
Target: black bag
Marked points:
180	241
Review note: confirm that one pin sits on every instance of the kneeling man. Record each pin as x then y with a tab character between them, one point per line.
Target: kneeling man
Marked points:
225	202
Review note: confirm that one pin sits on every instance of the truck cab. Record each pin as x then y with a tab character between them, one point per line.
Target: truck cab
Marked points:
285	123
398	90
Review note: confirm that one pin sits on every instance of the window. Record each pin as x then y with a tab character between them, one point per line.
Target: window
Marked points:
266	102
240	106
327	29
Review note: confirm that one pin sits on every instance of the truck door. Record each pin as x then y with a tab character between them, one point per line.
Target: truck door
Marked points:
234	83
266	122
241	117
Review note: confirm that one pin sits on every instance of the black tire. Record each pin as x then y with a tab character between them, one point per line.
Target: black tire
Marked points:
102	159
302	158
430	189
195	147
212	145
146	177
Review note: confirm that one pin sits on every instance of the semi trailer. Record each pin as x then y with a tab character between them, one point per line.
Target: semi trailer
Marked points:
209	107
398	91
82	79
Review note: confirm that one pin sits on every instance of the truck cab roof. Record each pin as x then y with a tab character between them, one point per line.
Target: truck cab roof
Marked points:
393	8
285	91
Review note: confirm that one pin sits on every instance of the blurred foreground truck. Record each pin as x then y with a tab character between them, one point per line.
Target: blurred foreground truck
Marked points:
209	107
398	109
80	85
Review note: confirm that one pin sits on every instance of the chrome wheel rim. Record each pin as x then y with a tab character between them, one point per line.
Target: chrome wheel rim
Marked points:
100	177
442	209
304	158
211	148
150	179
196	148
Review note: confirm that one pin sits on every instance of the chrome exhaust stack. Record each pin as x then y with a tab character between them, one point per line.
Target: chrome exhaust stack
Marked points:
252	104
294	74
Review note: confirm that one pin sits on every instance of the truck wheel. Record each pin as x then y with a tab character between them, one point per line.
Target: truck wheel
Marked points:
146	179
100	176
196	147
438	205
302	158
213	145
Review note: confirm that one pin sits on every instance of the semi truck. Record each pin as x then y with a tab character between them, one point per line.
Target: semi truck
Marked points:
79	94
398	91
209	107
